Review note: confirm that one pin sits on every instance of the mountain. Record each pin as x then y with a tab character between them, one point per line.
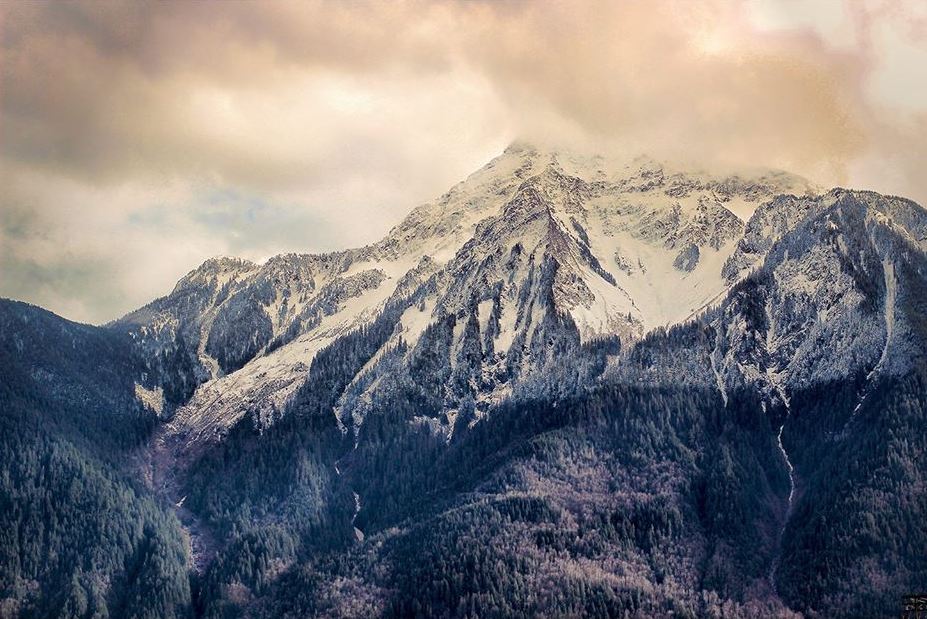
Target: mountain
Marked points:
572	385
618	248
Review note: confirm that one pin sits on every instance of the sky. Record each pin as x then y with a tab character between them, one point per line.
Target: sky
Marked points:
138	139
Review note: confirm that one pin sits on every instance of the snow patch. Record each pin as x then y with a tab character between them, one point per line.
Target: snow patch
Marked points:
152	399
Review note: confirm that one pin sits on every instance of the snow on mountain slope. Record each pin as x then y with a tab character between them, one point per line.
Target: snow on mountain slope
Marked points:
837	300
262	387
824	306
618	246
631	238
663	234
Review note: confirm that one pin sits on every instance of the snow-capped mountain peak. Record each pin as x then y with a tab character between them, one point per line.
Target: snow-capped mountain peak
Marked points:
615	246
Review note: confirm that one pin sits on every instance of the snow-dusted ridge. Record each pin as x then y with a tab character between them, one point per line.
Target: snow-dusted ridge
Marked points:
620	246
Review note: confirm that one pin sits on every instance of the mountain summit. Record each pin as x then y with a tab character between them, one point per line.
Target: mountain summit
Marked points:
570	386
617	247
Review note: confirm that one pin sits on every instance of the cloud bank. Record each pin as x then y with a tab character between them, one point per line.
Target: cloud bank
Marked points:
137	139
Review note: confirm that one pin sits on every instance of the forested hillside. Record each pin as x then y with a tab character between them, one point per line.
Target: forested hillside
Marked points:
80	534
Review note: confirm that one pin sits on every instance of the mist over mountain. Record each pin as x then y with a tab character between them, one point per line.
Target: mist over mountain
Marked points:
572	385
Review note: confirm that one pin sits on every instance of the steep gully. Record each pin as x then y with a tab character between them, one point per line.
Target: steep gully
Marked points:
714	359
775	381
891	290
358	504
160	474
208	361
777	558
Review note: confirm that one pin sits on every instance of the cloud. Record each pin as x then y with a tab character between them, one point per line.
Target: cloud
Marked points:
689	80
137	139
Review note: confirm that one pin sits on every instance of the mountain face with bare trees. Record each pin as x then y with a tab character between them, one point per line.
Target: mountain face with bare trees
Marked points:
570	386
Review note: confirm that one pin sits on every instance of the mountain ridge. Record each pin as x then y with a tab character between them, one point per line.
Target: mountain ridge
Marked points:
513	190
